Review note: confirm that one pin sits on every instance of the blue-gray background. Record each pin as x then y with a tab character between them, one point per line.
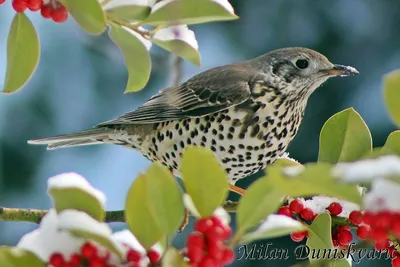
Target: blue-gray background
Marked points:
80	82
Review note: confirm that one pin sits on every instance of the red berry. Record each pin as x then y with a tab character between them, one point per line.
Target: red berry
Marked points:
195	254
216	250
356	217
344	237
228	256
35	5
307	214
396	262
154	256
195	239
56	260
335	208
2	1
97	262
363	232
46	11
227	229
69	264
75	259
395	228
382	220
378	234
298	236
381	244
215	233
284	210
133	255
296	206
203	225
59	14
88	251
207	262
19	5
368	217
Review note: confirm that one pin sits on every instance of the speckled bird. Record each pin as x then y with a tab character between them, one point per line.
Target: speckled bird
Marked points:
247	113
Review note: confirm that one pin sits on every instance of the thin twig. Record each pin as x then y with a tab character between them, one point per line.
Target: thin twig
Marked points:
176	70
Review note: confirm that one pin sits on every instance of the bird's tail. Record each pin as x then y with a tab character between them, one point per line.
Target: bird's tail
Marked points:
83	138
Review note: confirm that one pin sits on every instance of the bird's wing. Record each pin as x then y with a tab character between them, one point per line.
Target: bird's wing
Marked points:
208	92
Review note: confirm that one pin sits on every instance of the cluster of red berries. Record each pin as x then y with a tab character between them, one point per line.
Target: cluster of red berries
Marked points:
53	10
206	247
91	256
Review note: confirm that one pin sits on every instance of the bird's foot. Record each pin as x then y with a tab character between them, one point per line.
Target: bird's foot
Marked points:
184	222
237	189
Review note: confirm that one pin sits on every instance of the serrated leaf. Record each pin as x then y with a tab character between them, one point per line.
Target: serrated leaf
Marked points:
313	179
131	13
344	137
166	198
259	201
392	94
188	12
139	215
392	143
16	257
320	238
181	49
284	162
205	180
274	226
105	241
77	199
137	58
88	14
23	53
172	258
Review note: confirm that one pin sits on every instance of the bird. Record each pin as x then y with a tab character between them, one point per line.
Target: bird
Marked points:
246	113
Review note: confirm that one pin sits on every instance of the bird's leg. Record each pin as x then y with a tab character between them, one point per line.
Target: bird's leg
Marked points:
237	189
185	221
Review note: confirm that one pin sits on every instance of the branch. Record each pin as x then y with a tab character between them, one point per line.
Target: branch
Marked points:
35	215
176	70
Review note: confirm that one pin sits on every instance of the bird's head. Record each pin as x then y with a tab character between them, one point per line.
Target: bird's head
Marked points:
300	71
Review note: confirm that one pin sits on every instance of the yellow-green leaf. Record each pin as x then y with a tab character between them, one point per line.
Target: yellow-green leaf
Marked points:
320	239
392	94
166	198
131	13
140	216
181	49
286	162
205	180
23	53
89	14
136	55
312	179
77	199
16	257
188	12
392	143
259	201
172	258
344	137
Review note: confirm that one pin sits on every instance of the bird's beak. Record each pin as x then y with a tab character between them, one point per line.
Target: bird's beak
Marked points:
340	70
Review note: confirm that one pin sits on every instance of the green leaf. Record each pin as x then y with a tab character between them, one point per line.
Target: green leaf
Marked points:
188	12
259	201
137	58
320	238
310	180
172	258
205	180
130	13
274	226
285	162
22	53
181	49
344	137
392	94
392	143
77	199
89	14
140	216
105	241
166	198
16	257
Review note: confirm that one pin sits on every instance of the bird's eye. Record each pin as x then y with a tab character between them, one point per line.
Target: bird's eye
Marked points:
302	63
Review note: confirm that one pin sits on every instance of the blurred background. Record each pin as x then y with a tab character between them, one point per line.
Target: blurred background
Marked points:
80	82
